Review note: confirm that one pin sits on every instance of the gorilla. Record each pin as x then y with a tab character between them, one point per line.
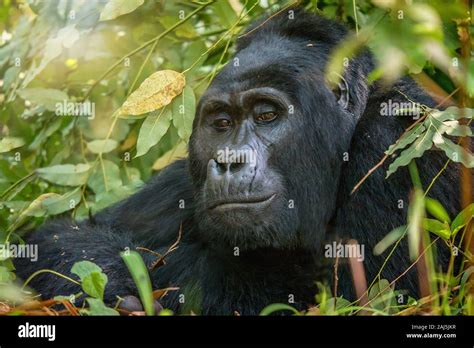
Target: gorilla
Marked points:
253	231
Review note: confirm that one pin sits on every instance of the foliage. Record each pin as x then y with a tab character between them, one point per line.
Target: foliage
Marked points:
97	95
139	272
430	132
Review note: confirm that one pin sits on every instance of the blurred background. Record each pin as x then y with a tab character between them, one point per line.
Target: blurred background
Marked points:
67	66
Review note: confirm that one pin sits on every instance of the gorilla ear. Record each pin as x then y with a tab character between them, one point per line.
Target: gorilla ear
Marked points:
341	91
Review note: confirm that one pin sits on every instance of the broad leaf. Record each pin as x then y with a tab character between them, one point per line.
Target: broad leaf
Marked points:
105	177
179	151
102	146
436	209
454	151
83	268
65	174
389	239
36	207
97	307
437	227
184	107
453	128
94	283
56	205
156	91
452	113
462	219
140	276
49	98
381	295
116	8
10	143
152	130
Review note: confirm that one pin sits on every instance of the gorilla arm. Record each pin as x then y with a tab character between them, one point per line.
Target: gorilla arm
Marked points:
150	218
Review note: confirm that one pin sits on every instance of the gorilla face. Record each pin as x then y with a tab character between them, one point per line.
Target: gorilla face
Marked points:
261	158
243	192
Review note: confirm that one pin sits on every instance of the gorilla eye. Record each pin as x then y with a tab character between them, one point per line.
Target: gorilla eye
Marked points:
222	123
266	117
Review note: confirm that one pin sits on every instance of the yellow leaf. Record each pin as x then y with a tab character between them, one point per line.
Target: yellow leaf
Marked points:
177	152
156	91
36	207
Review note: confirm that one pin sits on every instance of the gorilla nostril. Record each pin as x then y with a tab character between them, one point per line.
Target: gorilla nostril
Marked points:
231	168
222	167
235	167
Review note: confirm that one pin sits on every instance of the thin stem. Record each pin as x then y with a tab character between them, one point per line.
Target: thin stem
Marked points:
41	271
355	17
146	44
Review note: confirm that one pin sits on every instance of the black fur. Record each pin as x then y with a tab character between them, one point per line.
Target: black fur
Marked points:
280	255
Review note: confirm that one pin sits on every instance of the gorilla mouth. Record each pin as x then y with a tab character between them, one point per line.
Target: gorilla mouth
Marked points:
248	203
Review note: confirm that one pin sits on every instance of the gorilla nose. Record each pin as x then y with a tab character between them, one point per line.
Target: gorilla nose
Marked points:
232	168
236	170
217	169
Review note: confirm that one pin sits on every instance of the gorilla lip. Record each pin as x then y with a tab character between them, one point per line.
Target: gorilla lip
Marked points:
250	202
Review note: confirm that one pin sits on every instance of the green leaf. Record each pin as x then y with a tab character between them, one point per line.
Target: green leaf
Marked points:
462	219
179	151
452	113
276	307
381	295
436	209
36	207
10	75
416	211
455	152
56	205
470	79
94	283
406	139
346	50
10	143
65	174
107	198
65	38
165	313
44	96
152	130
116	8
105	177
83	268
389	239
225	13
193	52
140	276
185	30
437	227
102	146
184	107
97	307
332	305
454	128
45	133
417	149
